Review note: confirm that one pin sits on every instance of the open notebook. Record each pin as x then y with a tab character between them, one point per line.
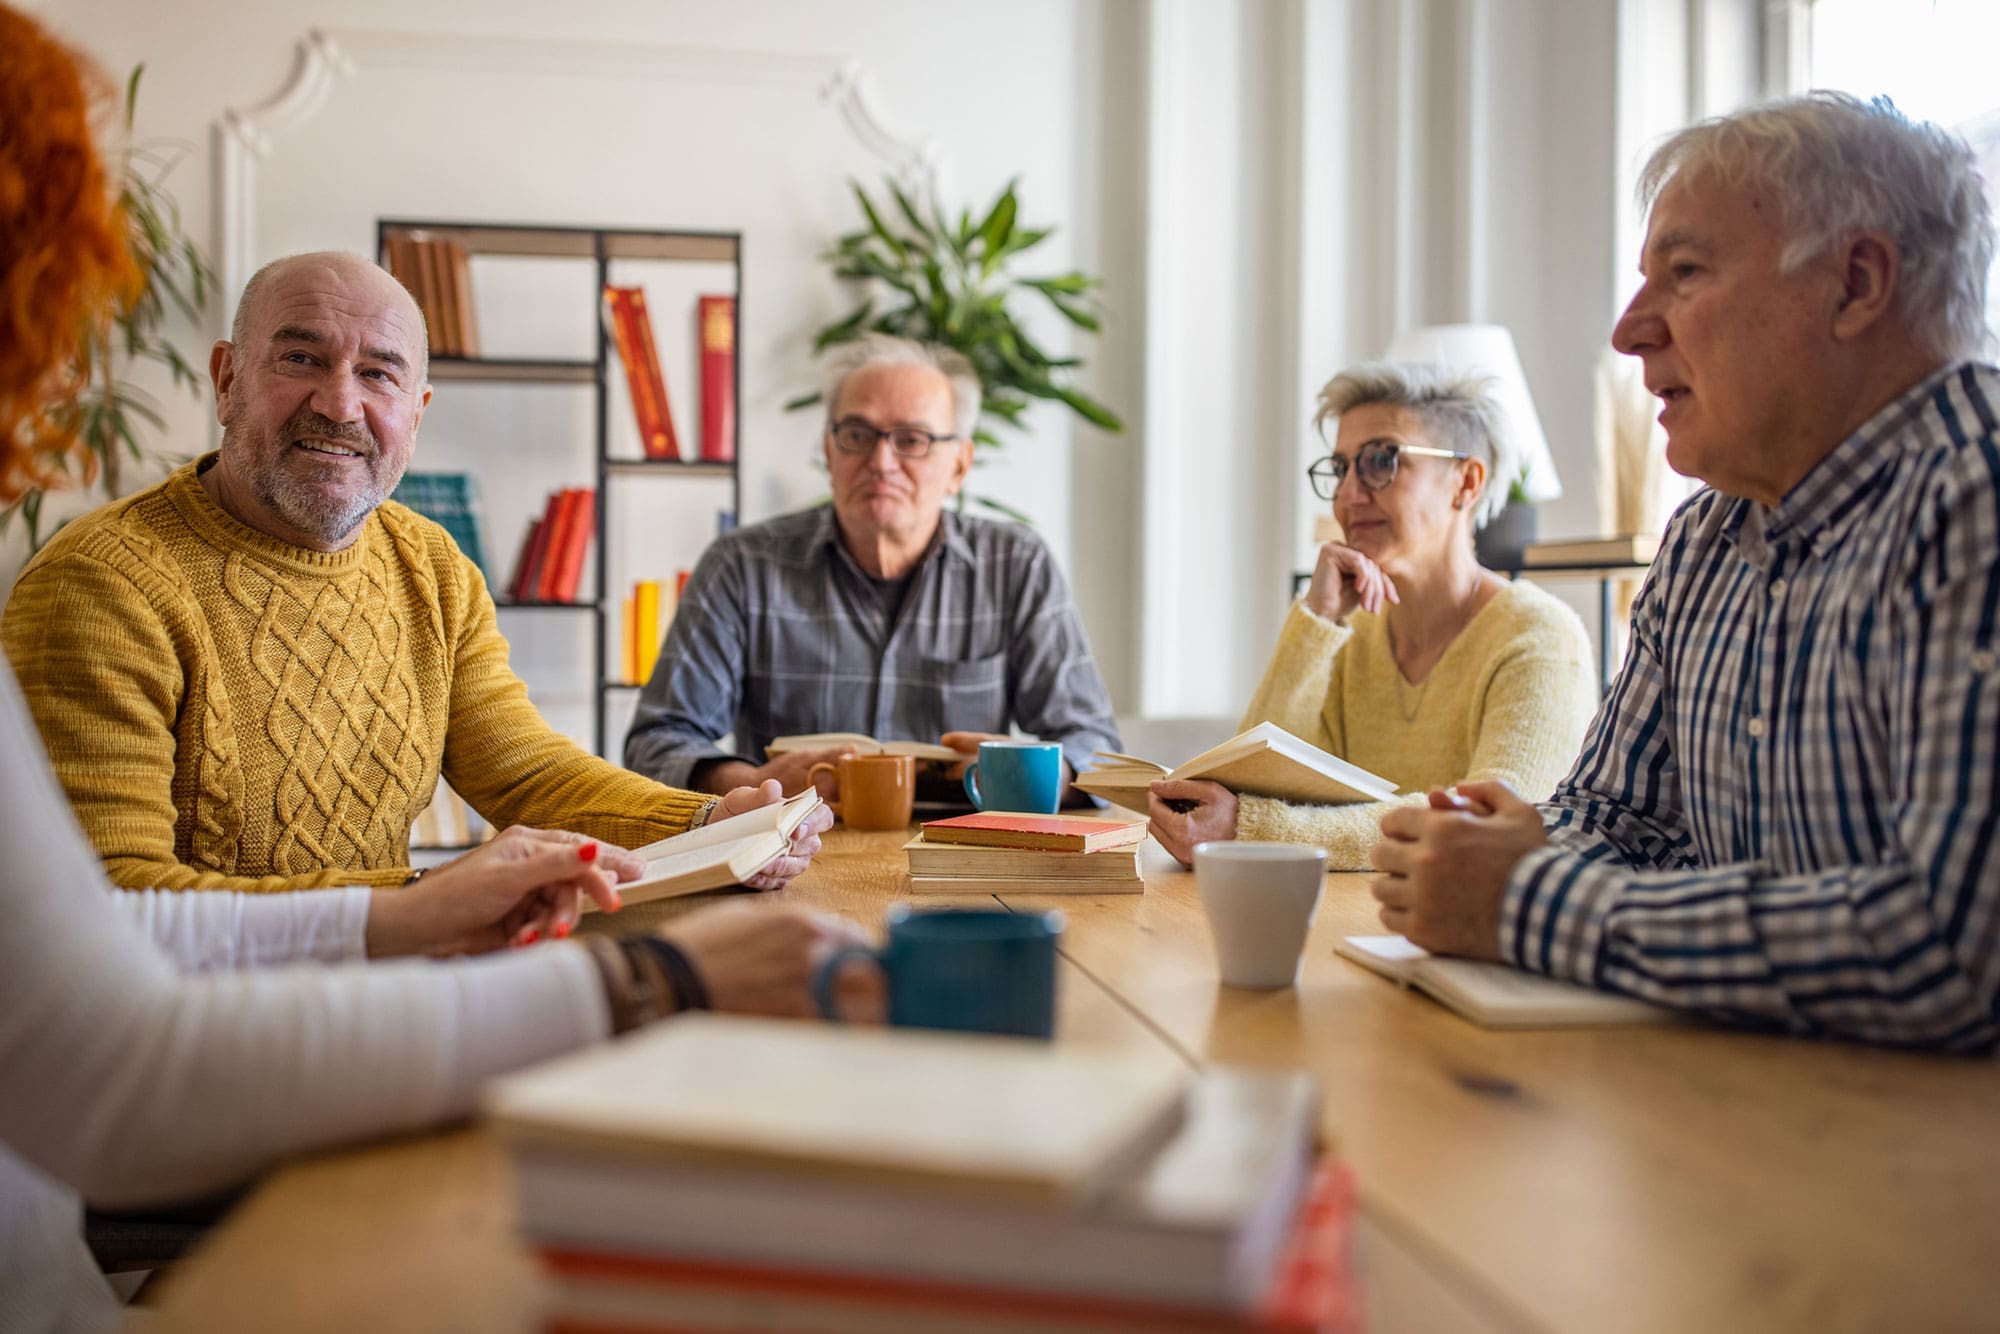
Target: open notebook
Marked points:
865	745
1494	995
724	852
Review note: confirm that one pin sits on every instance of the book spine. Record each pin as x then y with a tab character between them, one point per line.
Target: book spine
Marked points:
582	526
562	513
624	332
461	286
717	318
629	675
522	587
430	298
646	625
661	442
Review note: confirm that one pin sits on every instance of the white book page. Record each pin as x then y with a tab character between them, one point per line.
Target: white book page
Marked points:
783	817
1495	994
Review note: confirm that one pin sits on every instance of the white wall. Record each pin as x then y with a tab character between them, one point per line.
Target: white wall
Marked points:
1269	190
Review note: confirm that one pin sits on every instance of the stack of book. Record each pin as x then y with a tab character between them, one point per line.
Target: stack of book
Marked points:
999	852
723	1173
550	565
438	273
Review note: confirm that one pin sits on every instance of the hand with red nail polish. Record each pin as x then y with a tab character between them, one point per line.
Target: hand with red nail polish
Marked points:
523	886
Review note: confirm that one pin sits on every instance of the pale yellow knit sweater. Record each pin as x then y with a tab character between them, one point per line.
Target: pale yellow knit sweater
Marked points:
1509	699
227	711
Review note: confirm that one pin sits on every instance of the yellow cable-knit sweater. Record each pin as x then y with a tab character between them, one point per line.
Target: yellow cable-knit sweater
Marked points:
1509	699
227	711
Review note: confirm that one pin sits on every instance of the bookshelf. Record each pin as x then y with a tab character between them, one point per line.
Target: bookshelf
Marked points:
610	255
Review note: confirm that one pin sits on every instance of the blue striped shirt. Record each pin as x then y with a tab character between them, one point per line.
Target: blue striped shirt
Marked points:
1784	814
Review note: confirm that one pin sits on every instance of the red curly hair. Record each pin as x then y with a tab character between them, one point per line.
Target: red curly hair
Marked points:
65	270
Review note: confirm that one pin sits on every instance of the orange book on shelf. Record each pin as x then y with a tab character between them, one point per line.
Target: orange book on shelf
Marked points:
645	629
430	296
460	270
629	659
717	320
632	330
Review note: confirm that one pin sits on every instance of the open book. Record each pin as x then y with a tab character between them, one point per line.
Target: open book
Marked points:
724	852
1493	995
1266	761
864	745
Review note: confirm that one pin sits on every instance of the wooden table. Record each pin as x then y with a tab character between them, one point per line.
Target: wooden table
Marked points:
1638	1179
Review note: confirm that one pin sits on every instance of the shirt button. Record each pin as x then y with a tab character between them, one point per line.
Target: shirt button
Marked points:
1777	589
1982	660
1756	727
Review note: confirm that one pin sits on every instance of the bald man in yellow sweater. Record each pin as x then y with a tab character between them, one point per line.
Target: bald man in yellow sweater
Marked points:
251	675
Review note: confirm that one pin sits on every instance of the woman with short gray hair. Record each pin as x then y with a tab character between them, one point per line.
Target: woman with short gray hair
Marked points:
1405	656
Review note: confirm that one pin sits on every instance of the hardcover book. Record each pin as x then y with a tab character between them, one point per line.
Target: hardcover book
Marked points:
1495	995
451	500
956	859
632	331
968	1117
861	745
1055	833
719	854
1266	761
716	316
1203	1222
1628	549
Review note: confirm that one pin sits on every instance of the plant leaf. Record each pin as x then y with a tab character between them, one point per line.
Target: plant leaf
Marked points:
875	222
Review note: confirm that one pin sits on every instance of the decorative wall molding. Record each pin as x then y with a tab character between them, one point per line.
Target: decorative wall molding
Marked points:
325	58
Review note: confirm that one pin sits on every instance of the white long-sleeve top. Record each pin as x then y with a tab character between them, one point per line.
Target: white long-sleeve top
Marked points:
134	1069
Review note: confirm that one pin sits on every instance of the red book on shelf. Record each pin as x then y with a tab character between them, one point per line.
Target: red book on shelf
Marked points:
567	560
632	330
717	320
558	520
524	561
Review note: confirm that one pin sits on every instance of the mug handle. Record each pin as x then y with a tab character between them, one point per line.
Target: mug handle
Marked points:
812	777
828	970
972	785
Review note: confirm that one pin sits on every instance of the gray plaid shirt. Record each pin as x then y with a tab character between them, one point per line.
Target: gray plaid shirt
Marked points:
1785	813
780	632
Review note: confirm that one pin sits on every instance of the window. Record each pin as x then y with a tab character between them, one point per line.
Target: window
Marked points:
1933	58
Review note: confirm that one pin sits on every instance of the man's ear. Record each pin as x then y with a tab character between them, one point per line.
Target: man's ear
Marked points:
961	466
222	374
1869	270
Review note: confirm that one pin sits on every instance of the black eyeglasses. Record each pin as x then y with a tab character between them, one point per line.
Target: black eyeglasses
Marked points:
851	435
1375	463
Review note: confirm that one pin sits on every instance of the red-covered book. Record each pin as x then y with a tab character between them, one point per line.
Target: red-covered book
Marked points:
560	515
562	571
1052	833
716	316
524	562
1313	1292
632	330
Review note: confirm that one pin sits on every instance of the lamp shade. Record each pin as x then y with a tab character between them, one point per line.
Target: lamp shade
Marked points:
1488	349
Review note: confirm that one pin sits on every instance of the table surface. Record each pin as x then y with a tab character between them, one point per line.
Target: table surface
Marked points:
1632	1179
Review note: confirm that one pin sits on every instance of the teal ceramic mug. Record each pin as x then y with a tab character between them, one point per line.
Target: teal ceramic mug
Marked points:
1016	776
973	970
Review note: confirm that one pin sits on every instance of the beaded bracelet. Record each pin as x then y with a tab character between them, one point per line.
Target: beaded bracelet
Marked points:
645	978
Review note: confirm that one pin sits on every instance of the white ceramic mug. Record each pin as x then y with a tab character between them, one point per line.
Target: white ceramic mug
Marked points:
1260	899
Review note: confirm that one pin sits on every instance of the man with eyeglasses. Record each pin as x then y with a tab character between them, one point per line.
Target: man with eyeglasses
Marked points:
882	612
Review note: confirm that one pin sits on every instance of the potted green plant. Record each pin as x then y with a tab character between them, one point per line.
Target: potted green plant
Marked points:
953	281
111	414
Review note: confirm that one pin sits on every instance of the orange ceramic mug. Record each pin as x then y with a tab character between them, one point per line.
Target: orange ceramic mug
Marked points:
876	791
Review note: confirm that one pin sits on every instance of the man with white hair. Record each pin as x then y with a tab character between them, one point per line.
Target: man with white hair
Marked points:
881	612
1784	814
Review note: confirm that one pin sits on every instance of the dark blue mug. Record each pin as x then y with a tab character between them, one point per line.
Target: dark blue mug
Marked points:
973	970
1016	776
